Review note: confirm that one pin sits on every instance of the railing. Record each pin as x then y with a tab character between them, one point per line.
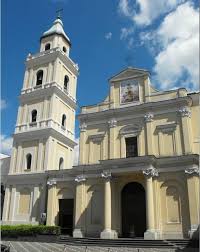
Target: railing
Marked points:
47	85
56	49
48	123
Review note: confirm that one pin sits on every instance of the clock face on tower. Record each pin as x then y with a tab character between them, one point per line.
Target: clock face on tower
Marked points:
129	91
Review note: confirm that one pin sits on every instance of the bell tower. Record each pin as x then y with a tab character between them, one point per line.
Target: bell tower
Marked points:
44	134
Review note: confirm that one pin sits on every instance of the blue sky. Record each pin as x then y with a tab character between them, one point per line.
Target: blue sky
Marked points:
106	36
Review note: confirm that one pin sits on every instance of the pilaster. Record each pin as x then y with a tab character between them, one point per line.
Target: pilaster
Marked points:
185	114
6	206
192	176
51	211
112	135
82	151
79	230
148	119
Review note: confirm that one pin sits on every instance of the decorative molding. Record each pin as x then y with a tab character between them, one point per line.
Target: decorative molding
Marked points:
132	130
193	169
80	178
97	138
112	123
51	182
151	171
106	175
148	117
83	127
166	128
185	112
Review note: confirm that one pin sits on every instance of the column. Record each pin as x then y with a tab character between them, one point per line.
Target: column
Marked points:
6	205
151	233
148	118
19	167
35	205
25	114
13	159
80	214
122	146
26	76
51	204
112	124
82	143
40	155
55	71
108	233
49	73
193	198
185	114
12	209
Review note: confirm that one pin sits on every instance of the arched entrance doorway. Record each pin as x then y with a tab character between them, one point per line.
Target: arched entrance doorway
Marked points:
133	207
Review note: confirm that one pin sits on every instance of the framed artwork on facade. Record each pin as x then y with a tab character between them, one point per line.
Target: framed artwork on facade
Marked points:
129	91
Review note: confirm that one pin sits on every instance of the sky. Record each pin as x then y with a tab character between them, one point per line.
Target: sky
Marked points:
107	36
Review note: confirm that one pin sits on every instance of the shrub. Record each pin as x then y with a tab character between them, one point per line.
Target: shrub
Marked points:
28	230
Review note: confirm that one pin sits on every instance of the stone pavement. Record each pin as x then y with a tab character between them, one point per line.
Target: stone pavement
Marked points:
19	246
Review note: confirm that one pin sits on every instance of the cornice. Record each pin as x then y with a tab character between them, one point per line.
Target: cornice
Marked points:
148	165
159	107
44	133
46	90
50	56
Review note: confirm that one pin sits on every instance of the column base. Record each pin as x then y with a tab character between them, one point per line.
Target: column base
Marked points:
78	233
151	235
108	234
194	232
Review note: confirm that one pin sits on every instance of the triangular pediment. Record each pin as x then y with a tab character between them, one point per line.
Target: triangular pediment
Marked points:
128	73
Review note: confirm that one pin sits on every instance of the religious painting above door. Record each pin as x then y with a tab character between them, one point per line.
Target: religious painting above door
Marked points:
129	91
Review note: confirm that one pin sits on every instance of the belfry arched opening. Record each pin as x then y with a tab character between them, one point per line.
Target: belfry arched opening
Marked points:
133	207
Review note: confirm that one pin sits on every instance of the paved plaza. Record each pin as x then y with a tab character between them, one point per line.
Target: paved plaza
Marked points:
19	246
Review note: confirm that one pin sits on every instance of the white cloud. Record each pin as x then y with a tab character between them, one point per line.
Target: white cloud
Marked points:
144	12
76	153
108	35
125	32
178	37
3	104
5	144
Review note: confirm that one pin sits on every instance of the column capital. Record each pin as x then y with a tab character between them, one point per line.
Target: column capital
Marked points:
148	117
193	170
83	127
80	178
106	174
185	111
150	172
51	182
112	123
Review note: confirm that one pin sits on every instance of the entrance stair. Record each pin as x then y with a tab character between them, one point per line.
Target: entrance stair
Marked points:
128	242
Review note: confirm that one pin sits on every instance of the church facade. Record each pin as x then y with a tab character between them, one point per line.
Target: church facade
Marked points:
138	170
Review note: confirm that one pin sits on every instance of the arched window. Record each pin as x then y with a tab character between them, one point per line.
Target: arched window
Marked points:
47	47
39	77
63	120
34	115
66	81
61	163
28	161
64	49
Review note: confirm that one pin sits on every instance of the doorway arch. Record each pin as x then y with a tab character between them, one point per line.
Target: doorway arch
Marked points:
133	209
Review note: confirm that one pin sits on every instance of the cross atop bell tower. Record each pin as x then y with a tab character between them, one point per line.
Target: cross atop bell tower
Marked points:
59	13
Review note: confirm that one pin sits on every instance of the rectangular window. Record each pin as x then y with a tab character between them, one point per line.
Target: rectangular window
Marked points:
131	147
